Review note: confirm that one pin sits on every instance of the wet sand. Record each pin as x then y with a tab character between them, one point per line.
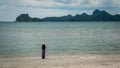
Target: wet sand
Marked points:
63	61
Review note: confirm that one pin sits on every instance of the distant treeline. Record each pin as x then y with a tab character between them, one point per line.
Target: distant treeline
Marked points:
97	15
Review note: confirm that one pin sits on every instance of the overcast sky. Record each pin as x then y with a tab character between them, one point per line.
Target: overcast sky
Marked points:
10	9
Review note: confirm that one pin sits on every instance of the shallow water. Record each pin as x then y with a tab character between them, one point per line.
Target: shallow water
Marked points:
25	39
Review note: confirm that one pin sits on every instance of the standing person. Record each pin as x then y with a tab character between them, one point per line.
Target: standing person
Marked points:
43	51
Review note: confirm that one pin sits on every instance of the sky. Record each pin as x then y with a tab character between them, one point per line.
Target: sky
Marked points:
10	9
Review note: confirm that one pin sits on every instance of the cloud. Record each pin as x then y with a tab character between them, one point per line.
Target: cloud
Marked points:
2	7
65	1
62	4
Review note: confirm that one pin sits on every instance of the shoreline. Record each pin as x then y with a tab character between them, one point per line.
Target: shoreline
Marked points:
60	56
63	61
49	55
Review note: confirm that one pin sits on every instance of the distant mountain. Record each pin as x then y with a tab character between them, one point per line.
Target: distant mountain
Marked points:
62	18
97	15
26	18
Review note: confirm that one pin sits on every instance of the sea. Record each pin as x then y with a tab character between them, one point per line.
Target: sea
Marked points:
24	39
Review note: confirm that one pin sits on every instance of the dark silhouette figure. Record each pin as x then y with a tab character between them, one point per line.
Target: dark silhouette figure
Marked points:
43	51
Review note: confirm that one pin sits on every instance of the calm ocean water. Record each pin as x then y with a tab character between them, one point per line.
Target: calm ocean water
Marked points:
25	39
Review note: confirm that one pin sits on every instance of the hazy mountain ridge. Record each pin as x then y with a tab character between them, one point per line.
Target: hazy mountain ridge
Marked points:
97	15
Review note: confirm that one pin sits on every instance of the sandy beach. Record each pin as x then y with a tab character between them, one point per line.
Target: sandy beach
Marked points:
63	61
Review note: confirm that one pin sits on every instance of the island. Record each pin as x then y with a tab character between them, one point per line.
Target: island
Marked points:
97	15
